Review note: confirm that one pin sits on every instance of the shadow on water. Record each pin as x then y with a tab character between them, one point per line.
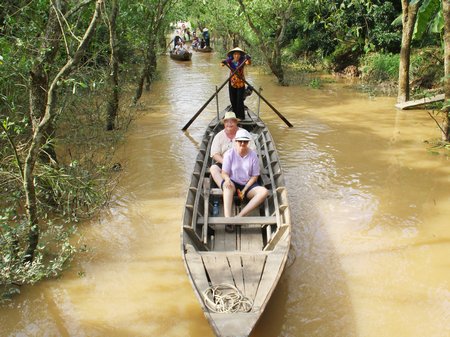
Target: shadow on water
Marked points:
312	298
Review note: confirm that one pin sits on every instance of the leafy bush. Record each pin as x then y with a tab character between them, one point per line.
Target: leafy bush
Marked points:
53	253
377	67
427	69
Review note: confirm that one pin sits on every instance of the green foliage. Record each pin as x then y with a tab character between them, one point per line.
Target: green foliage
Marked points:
80	182
342	31
52	255
71	191
383	36
378	67
315	83
346	54
427	69
429	18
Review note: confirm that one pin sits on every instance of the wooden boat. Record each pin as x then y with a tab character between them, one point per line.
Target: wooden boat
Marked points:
234	274
203	50
182	56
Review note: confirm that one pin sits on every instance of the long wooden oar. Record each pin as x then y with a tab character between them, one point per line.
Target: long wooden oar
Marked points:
267	102
211	98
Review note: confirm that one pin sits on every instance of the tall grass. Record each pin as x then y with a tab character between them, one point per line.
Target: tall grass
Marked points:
376	67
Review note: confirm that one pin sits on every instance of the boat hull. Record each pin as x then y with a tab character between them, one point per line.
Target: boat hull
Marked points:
248	262
204	50
186	56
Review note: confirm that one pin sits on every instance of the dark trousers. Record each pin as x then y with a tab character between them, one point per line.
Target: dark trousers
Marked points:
237	101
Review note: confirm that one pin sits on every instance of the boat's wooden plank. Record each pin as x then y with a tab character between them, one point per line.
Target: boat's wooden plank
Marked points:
251	239
236	269
219	239
230	241
197	271
236	325
218	269
422	101
200	180
194	237
253	266
223	241
272	270
279	234
216	191
265	143
206	187
244	220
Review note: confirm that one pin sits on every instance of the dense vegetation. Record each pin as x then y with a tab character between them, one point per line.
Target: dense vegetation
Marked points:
64	65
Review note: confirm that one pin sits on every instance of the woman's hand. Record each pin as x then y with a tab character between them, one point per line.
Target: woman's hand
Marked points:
241	194
228	184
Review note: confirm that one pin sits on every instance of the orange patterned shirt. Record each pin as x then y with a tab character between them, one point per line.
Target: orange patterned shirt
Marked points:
237	80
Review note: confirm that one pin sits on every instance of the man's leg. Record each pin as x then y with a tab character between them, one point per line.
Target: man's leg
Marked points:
216	174
228	194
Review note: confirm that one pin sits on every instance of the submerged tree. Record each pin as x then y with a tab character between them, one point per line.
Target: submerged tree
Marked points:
409	12
113	76
446	109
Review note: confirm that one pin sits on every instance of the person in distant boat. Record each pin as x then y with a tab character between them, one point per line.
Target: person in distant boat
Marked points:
240	173
195	42
222	142
237	58
206	37
177	39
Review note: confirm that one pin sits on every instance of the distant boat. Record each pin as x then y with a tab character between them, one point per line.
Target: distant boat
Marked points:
181	55
234	274
203	50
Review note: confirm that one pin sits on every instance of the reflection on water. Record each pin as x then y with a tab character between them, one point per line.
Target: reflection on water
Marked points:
370	211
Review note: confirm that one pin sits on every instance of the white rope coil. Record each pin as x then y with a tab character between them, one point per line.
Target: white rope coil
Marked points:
226	298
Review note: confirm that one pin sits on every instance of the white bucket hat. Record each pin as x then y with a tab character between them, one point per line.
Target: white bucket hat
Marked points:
243	134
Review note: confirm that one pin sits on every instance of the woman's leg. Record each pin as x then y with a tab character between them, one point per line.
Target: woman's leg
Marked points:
228	194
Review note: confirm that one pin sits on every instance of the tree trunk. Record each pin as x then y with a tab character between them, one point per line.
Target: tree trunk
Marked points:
140	86
113	99
408	22
276	66
30	195
446	14
151	59
39	81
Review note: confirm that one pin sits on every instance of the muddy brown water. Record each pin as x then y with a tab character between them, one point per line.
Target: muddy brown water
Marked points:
371	221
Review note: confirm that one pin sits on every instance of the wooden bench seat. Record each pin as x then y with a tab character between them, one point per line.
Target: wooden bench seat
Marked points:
245	220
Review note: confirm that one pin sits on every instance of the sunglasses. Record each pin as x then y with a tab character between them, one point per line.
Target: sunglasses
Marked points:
243	141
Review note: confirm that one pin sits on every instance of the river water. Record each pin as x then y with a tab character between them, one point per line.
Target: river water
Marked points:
371	221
